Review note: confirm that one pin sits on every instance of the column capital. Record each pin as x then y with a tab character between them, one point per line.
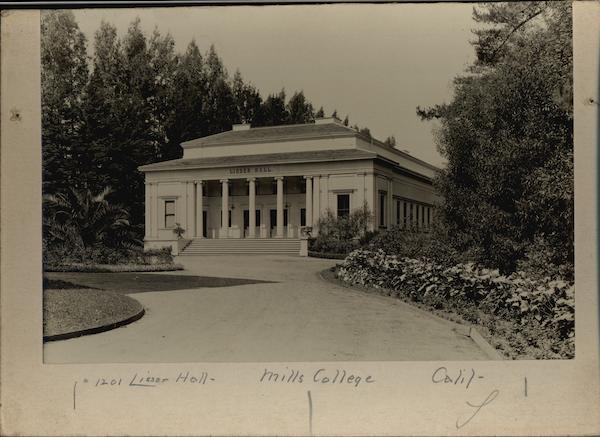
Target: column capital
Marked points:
308	177
224	181
278	178
199	182
251	179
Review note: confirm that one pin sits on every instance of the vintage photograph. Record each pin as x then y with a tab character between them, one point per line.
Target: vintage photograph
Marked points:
282	183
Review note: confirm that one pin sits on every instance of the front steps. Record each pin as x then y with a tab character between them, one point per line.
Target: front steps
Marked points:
229	246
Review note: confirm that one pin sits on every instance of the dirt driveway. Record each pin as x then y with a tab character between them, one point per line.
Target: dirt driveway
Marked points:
295	317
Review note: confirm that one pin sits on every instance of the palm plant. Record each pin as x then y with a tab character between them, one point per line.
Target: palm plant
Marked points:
85	220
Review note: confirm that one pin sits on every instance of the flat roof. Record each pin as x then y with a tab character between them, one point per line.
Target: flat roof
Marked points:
273	134
261	159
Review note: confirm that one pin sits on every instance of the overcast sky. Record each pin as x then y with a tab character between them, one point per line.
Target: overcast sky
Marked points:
375	63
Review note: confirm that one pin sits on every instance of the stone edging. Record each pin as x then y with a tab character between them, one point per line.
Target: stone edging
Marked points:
469	331
96	329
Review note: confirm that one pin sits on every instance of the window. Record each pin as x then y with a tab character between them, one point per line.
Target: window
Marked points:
343	205
411	216
398	206
258	217
428	216
169	213
405	215
381	209
302	216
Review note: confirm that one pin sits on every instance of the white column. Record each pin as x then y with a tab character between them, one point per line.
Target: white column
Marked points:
252	207
189	208
309	201
155	214
224	208
401	218
147	210
324	192
279	228
390	203
316	201
199	209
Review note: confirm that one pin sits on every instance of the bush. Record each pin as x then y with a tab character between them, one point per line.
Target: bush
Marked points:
341	235
63	258
541	311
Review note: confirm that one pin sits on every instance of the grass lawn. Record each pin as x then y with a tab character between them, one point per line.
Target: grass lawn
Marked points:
68	310
128	283
76	302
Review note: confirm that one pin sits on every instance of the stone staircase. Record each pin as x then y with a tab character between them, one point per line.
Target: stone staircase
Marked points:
228	246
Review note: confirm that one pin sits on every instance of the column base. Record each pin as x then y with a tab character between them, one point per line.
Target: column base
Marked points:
224	233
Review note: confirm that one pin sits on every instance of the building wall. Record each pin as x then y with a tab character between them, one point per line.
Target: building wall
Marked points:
363	180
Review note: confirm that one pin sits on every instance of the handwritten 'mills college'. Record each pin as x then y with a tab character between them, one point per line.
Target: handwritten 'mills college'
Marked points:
320	376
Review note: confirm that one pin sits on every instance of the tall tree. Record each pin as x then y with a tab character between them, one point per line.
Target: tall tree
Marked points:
508	138
64	76
247	99
219	103
320	113
189	90
300	109
274	111
163	65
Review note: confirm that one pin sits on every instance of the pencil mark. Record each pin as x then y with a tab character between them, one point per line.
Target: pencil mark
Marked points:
493	395
310	413
75	396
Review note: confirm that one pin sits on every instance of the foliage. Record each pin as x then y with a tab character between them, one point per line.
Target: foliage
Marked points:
341	235
81	226
399	241
508	138
64	77
133	103
543	309
178	231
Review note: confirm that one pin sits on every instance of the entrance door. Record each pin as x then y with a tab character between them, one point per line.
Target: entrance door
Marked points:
246	221
273	219
204	224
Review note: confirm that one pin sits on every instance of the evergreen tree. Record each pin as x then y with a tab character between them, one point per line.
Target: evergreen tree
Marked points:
390	141
189	90
64	76
346	121
300	110
248	101
508	138
274	110
320	113
163	65
219	104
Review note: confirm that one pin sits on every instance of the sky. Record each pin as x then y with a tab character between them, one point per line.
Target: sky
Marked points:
374	62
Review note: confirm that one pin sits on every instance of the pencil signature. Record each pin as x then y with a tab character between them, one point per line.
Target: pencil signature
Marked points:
477	408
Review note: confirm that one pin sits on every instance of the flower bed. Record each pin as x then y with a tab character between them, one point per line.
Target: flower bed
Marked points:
536	317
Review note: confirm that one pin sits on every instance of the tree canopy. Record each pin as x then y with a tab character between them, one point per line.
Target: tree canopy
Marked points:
507	135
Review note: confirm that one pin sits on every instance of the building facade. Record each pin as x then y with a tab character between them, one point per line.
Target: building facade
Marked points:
273	181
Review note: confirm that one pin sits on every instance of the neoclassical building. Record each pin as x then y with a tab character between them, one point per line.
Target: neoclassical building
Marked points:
263	185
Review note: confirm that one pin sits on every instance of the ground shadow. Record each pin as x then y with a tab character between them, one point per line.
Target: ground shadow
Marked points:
139	282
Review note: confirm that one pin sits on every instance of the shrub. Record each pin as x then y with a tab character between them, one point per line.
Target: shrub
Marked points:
341	235
540	310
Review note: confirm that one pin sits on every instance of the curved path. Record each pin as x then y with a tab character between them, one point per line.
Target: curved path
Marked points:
299	317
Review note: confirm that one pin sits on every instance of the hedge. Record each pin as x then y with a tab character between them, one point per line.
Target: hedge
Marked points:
326	255
541	313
